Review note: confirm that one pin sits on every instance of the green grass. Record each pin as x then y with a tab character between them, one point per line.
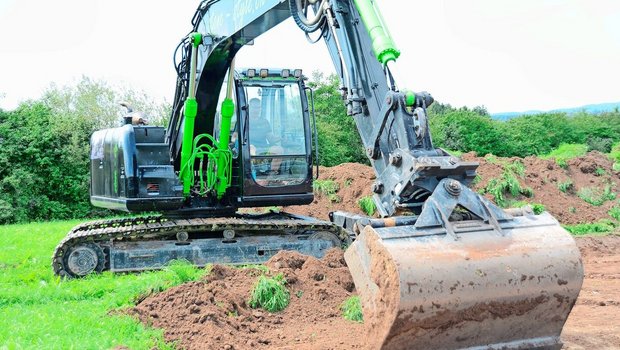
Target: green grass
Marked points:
595	196
565	186
352	309
614	212
615	153
508	184
566	152
270	293
601	227
367	204
38	310
327	188
538	208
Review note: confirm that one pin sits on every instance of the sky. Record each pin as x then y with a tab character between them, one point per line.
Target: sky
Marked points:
507	55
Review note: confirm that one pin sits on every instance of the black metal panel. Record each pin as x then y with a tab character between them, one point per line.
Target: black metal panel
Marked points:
132	176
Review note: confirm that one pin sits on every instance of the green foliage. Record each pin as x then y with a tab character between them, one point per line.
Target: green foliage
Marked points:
603	226
270	293
339	141
327	188
352	309
595	196
600	144
538	208
44	150
614	154
566	152
508	184
72	314
367	204
599	172
614	212
565	186
616	166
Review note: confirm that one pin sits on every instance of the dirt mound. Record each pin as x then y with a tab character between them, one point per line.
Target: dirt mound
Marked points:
214	313
354	181
591	173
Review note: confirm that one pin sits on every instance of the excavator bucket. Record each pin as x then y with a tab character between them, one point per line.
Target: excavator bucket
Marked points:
499	281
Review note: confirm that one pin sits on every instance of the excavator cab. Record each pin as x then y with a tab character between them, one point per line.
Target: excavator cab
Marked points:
272	138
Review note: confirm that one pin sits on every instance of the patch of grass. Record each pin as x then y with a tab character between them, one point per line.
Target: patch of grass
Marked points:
601	227
72	314
616	166
367	204
348	182
270	293
595	197
476	180
538	208
508	184
615	153
566	152
327	188
565	186
490	158
352	309
599	172
614	212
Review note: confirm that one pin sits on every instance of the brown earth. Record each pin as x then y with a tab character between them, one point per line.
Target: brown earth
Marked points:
214	314
544	176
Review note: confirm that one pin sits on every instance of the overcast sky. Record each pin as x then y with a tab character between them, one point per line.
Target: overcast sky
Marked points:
507	55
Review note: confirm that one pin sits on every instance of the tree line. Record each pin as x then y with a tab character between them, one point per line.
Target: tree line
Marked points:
44	143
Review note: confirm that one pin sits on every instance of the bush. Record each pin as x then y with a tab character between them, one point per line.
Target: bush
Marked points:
538	208
614	212
352	309
565	186
566	152
367	204
600	144
328	188
595	197
270	293
508	184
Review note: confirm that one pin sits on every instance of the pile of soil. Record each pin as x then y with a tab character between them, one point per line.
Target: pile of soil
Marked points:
354	182
544	176
214	313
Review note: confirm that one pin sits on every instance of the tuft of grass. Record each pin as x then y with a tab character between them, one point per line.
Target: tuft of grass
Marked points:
566	186
599	172
615	153
595	197
352	309
270	293
538	208
508	183
616	166
76	313
328	188
367	204
566	152
600	227
614	212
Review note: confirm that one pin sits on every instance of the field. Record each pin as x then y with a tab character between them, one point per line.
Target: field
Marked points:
40	311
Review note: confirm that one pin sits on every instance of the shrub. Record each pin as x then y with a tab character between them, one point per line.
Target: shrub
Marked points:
538	208
270	293
352	309
602	226
566	152
600	144
367	204
614	212
327	188
508	184
595	197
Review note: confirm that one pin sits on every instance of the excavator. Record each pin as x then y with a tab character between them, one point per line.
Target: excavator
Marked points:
440	267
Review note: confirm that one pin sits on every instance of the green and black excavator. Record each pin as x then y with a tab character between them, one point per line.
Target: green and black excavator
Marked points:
442	267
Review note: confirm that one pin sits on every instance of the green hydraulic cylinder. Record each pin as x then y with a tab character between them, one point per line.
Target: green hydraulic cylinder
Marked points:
190	111
382	44
227	111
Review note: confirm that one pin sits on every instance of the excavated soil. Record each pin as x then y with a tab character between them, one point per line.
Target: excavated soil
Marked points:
214	314
544	176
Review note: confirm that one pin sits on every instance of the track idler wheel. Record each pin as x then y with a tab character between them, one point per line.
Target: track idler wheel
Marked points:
83	259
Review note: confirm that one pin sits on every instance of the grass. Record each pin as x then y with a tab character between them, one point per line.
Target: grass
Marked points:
566	152
538	208
595	197
614	212
601	227
270	293
327	188
352	309
39	310
566	186
367	204
508	184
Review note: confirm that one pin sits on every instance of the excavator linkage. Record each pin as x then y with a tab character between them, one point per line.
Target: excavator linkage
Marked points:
471	286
